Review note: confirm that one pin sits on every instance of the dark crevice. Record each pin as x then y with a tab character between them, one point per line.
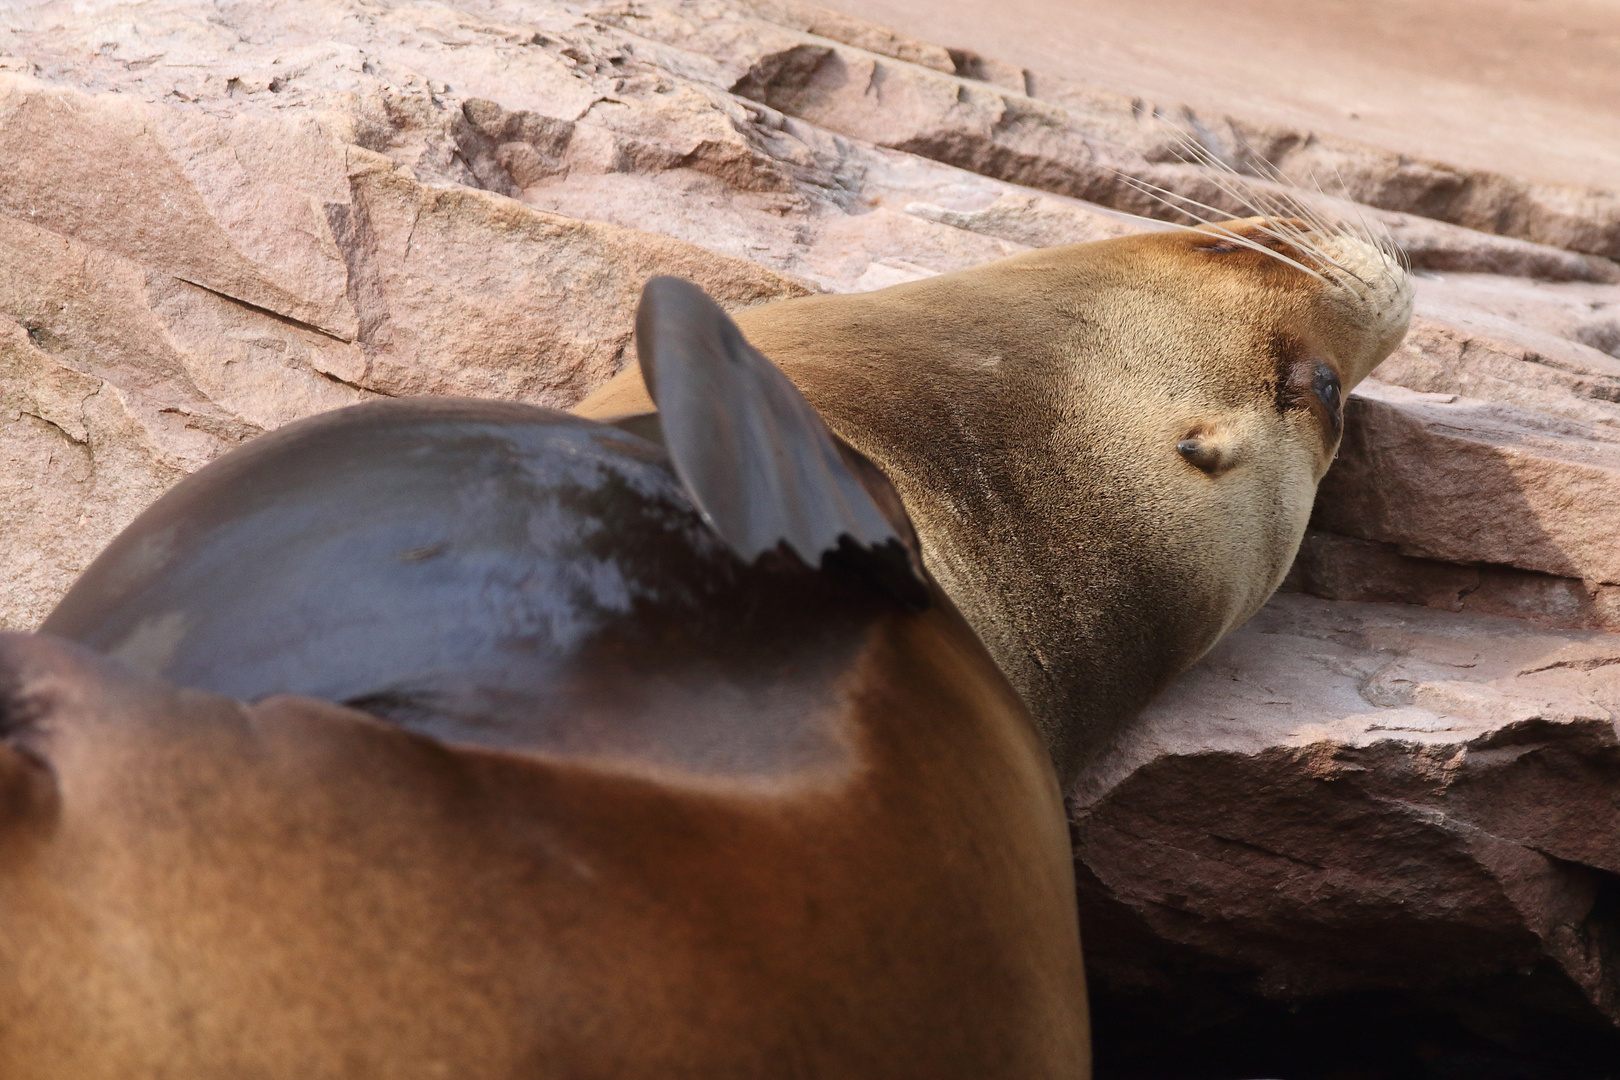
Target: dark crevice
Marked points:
1522	1027
340	381
65	433
276	315
1200	1018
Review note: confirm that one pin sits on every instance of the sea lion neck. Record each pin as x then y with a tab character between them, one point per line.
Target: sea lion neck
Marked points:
956	354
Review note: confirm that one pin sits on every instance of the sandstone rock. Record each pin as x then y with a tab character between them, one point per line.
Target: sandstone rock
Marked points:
207	277
77	463
1466	480
445	290
612	125
1571	218
1490	464
1342	568
218	217
824	22
1349	797
1079	148
587	119
1519	344
1030	220
1443	102
1113	151
1488	438
1431	245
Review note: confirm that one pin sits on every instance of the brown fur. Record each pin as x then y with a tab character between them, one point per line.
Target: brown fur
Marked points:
1029	413
192	887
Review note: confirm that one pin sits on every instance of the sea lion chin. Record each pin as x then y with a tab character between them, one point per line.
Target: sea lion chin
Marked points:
1109	450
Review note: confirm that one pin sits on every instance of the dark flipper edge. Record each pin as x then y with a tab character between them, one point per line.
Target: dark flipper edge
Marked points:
755	457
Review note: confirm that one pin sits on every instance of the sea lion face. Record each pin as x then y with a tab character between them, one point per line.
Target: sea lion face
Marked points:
1219	406
1109	450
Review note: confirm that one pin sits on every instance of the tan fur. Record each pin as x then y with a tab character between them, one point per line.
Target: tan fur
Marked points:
1029	413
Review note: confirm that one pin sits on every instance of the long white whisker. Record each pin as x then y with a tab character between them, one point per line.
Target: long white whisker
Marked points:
1306	223
1390	254
1219	229
1278	210
1285	205
1269	204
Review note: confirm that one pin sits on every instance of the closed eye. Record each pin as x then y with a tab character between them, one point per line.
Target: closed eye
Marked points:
1325	385
1309	382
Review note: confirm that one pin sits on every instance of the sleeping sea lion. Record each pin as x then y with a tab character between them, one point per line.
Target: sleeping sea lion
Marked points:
1109	450
468	739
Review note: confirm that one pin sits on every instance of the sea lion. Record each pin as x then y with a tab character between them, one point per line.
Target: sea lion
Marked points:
641	755
1109	450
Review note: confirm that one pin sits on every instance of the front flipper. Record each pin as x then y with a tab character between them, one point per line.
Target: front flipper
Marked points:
755	458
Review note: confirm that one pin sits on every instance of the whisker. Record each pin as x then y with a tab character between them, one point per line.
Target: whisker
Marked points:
1276	213
1283	208
1154	192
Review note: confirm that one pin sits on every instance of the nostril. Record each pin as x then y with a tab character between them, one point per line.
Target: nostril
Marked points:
1206	454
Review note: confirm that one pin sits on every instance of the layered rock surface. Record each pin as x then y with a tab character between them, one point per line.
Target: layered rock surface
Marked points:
216	218
1351	800
1517	88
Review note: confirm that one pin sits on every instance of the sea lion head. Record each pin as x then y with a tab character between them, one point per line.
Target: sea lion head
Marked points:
1110	450
1208	377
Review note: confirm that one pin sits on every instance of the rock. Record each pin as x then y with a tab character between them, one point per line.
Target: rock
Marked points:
1490	437
1342	568
219	217
1083	142
1347	797
199	279
1517	344
824	22
1030	220
1431	245
970	65
500	299
1575	219
1461	479
78	461
1429	109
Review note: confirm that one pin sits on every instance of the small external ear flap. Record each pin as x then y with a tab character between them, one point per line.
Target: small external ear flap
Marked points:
757	460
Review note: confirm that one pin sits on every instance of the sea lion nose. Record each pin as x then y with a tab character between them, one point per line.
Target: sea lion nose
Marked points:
1208	450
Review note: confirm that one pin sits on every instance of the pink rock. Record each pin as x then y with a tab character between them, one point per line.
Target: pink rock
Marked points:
1464	480
1341	568
1506	123
1349	796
